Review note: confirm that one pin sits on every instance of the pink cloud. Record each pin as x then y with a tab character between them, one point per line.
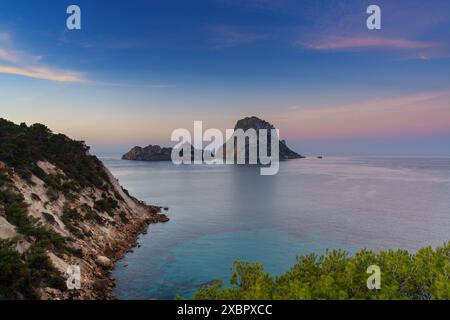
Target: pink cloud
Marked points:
8	56
26	65
350	43
42	73
419	114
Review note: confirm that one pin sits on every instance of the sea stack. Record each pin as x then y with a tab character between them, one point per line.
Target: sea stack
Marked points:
257	124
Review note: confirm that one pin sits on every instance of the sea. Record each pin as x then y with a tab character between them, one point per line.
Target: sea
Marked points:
223	213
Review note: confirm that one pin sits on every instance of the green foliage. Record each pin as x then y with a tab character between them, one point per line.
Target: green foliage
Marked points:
3	177
52	194
35	197
70	218
21	147
85	208
74	252
41	271
49	218
20	274
70	214
14	272
337	275
16	213
106	204
93	216
123	218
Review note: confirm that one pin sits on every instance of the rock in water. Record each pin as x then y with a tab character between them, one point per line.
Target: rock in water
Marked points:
149	153
157	153
256	123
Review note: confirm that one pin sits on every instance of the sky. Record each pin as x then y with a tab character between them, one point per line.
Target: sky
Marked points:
139	69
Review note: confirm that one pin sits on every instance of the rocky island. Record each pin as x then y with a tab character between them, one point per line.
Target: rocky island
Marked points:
157	153
61	207
149	153
256	123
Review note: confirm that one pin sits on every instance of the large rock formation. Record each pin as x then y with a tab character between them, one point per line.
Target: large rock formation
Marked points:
157	153
257	124
60	206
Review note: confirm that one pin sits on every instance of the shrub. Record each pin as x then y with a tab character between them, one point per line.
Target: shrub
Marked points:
337	275
106	204
42	271
14	272
35	197
4	178
123	218
93	216
52	194
21	147
49	218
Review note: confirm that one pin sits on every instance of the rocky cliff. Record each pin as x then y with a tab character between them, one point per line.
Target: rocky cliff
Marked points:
257	124
60	206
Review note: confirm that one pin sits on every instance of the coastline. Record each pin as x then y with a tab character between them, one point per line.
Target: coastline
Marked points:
120	248
99	281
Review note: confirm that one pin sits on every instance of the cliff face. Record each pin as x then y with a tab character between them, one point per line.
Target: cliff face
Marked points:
257	124
60	206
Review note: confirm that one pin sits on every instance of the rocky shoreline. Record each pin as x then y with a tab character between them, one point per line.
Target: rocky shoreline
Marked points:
100	258
63	217
103	287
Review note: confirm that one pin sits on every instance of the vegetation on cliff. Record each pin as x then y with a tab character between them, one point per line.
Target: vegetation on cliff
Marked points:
337	275
22	146
60	206
21	273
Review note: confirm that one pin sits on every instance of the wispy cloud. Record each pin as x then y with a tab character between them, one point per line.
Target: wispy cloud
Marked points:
159	85
8	56
15	62
423	113
43	73
227	36
134	85
342	28
350	43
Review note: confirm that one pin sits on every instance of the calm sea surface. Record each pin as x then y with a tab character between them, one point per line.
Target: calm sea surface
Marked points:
223	213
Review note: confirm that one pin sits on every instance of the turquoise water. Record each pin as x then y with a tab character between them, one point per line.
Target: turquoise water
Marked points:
220	214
